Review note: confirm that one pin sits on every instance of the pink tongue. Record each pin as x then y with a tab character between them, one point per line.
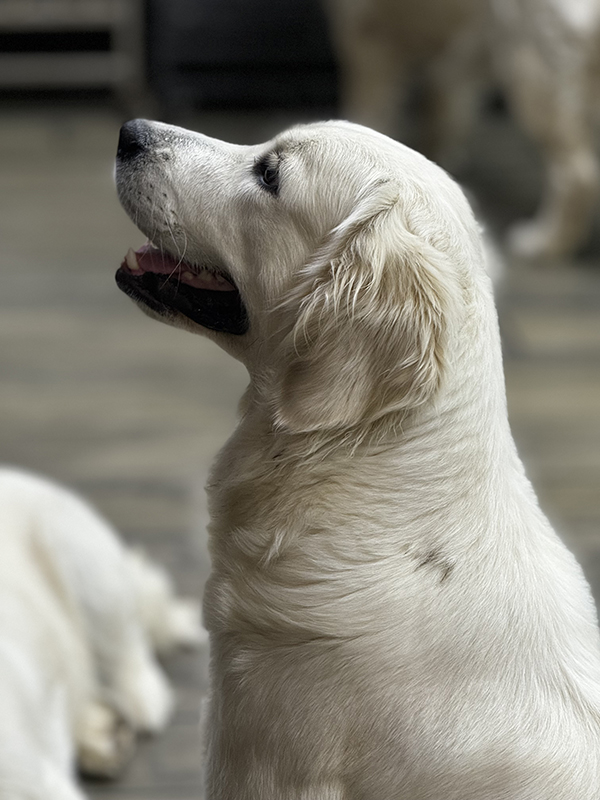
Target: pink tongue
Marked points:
150	259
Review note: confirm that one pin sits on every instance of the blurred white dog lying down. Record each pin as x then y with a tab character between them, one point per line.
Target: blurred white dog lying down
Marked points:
391	616
80	616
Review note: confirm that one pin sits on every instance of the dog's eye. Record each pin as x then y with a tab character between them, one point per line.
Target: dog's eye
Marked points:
267	172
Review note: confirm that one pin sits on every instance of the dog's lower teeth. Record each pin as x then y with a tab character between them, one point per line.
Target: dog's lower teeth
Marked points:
187	276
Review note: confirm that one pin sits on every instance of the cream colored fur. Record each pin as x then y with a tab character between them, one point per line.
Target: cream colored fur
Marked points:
77	672
391	616
544	53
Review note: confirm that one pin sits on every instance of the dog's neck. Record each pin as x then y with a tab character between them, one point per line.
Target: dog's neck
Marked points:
419	500
415	465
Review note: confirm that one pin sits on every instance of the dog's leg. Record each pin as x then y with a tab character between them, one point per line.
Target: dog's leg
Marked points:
372	72
550	99
372	88
455	84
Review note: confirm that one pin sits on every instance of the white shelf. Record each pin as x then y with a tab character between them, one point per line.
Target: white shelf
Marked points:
51	15
121	68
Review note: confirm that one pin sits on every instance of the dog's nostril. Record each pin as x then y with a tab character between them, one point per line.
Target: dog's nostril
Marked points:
134	139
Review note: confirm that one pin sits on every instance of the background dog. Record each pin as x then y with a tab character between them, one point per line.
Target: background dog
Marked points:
80	618
390	613
543	53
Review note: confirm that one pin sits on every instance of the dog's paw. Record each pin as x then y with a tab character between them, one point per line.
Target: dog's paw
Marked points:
147	698
534	240
158	701
185	628
105	743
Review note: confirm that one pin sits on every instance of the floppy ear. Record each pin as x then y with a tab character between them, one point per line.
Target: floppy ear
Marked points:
369	338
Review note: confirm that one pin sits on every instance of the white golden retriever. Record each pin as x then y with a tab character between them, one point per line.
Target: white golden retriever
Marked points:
544	53
79	618
391	616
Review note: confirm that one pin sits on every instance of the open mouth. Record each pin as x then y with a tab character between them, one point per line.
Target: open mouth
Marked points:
167	285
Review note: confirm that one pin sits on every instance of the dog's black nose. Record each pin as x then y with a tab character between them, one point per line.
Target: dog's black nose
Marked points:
134	139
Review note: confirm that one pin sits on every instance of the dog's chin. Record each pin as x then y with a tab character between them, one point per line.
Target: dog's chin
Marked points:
172	292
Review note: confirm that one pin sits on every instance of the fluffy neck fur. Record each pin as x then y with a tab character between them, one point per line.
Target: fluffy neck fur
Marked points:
434	461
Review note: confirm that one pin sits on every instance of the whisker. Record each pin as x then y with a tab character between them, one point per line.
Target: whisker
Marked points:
177	267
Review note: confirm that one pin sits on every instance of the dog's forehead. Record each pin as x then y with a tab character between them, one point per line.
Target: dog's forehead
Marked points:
348	146
330	137
333	154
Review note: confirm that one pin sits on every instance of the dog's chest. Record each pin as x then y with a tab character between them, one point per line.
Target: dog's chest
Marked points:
251	489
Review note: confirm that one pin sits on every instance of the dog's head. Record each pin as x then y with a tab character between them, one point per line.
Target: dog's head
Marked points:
330	259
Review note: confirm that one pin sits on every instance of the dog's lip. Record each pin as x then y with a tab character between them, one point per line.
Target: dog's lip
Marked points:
174	288
149	258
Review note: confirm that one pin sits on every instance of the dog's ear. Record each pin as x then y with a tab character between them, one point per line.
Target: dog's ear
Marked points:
370	330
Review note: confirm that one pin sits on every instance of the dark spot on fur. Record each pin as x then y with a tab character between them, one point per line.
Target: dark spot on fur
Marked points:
430	558
436	560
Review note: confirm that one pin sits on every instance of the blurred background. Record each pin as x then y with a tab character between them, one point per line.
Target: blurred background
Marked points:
131	413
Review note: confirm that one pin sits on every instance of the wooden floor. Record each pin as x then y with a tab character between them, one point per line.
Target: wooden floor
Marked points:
130	412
